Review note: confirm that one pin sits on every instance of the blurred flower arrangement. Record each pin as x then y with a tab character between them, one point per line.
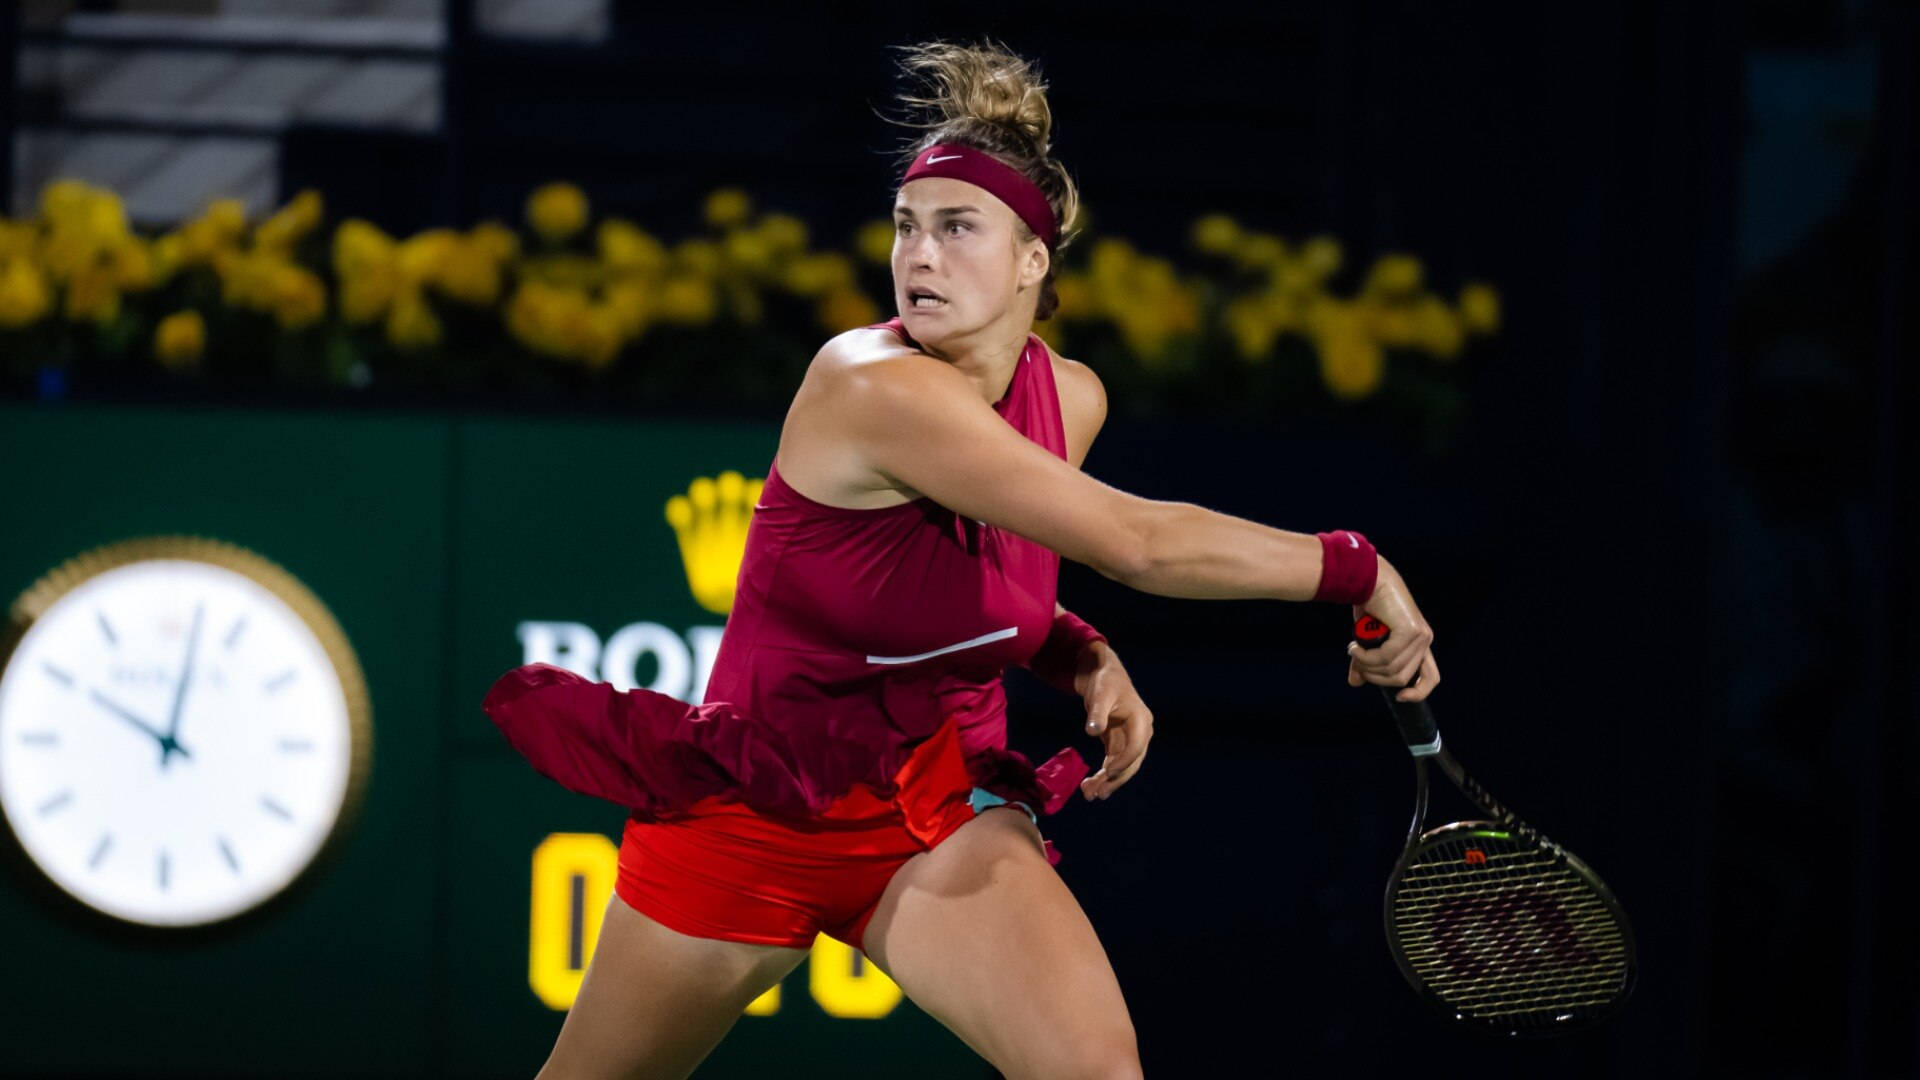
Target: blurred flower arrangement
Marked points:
577	309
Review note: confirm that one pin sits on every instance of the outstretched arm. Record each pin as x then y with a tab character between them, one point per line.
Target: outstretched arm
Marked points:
920	424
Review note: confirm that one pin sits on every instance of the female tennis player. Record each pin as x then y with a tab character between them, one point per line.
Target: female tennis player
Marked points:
848	774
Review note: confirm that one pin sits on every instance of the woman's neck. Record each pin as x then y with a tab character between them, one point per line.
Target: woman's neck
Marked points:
986	357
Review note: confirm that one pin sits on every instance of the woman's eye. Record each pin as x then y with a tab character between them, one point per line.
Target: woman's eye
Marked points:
955	227
902	228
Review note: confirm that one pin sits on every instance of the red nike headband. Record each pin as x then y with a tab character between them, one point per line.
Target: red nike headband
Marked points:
1002	181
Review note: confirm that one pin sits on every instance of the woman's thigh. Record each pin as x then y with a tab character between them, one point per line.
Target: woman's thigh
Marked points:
655	1002
983	935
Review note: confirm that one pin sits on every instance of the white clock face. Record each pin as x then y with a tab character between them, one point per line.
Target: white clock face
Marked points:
175	742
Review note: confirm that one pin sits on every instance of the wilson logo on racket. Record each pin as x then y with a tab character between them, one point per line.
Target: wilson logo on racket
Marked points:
1511	933
1474	857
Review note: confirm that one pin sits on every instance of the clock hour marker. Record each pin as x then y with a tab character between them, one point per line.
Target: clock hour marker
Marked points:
296	746
58	675
275	808
278	681
163	869
107	628
226	852
40	738
100	850
233	635
56	802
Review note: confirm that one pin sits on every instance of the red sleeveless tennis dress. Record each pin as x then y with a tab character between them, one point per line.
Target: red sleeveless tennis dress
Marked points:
855	714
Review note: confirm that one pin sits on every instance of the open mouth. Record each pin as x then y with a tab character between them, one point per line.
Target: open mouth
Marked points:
924	299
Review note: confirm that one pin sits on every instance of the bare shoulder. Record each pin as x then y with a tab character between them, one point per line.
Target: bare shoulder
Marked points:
866	368
1083	404
858	379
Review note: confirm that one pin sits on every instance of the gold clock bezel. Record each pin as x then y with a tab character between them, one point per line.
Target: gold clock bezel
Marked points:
43	594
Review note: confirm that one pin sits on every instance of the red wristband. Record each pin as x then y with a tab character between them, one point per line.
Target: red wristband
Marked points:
1058	658
1349	568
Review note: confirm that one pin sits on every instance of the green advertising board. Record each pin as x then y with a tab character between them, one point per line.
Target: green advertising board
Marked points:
444	929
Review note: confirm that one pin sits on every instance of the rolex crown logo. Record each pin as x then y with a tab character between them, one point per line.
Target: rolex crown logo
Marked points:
710	521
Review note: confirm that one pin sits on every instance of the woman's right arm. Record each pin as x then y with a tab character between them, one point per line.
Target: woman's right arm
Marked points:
920	425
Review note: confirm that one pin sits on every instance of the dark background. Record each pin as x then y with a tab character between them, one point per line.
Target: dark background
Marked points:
1667	562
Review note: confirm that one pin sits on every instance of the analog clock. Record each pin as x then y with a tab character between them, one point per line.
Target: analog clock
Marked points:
183	730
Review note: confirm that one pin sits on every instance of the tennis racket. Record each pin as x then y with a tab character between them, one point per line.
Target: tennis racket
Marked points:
1498	927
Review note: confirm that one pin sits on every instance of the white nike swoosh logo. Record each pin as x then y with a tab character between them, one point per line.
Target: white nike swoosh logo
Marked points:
937	160
983	639
1353	542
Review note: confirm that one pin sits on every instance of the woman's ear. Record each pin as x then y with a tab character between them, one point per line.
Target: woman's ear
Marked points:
1035	264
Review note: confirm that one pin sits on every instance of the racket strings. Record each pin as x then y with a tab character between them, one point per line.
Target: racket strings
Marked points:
1505	931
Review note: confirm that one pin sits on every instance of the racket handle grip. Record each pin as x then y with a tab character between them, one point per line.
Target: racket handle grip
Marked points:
1417	727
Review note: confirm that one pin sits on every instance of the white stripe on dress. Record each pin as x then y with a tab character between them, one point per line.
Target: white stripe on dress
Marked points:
983	639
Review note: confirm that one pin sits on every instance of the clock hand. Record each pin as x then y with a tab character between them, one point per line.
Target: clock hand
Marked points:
124	713
170	742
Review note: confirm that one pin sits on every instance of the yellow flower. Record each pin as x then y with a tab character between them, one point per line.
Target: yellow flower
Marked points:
1253	330
699	257
557	211
627	249
783	234
875	242
411	324
64	200
1076	297
167	253
498	241
1351	363
246	280
24	295
1258	251
816	275
227	218
357	245
563	270
297	297
92	295
1110	265
727	208
423	256
1147	330
1216	234
106	217
133	269
291	222
846	308
1394	274
1392	322
180	339
365	293
597	337
631	302
201	240
1437	328
63	252
1480	308
18	239
468	274
1320	258
687	300
748	250
547	318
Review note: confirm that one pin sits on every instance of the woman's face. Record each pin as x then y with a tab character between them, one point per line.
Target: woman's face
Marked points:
959	263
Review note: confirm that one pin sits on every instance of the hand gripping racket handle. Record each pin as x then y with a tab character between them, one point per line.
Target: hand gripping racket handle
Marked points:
1417	728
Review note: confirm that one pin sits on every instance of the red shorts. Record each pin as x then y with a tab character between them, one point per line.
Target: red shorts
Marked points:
730	873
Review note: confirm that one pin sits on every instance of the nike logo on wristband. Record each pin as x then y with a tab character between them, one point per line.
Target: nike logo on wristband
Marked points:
1352	541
